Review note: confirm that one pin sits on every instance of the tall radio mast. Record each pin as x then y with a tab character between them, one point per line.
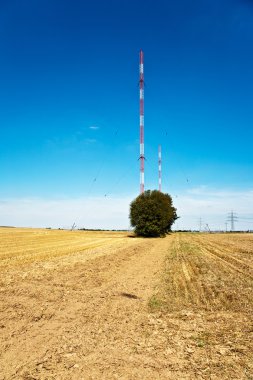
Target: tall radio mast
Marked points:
142	157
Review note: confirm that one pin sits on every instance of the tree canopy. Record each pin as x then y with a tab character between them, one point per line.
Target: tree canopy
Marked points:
152	214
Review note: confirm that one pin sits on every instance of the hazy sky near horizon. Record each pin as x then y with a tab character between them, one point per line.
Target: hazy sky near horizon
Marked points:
69	109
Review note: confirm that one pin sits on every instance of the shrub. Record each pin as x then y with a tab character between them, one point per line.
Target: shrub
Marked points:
152	214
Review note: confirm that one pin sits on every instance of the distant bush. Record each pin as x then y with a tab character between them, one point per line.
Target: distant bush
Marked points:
152	214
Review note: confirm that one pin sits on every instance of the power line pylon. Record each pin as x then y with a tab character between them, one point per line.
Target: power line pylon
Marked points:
232	218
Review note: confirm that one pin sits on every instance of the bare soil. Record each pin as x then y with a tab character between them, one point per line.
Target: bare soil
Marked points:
85	305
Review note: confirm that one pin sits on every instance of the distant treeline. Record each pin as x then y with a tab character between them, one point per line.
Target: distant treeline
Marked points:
99	229
216	232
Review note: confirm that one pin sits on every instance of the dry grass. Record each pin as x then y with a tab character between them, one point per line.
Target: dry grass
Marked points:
20	246
207	292
209	272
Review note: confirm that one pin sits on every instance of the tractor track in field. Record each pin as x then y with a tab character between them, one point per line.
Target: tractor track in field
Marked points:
227	263
226	258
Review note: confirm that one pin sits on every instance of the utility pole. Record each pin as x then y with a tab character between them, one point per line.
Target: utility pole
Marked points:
226	224
142	157
200	224
232	218
160	167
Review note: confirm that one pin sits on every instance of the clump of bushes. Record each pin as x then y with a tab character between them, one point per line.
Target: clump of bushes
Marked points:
152	214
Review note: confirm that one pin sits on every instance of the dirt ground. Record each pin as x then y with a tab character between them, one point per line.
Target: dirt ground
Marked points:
85	305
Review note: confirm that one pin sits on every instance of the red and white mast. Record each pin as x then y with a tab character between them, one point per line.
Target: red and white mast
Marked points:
142	157
160	167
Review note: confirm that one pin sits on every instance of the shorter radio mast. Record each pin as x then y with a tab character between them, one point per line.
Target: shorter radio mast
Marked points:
160	167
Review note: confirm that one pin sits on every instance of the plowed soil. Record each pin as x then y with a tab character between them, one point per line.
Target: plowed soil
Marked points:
103	305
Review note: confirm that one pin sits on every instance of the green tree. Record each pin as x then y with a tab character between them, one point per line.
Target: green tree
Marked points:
152	214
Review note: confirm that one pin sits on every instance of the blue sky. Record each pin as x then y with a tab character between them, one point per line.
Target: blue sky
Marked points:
69	115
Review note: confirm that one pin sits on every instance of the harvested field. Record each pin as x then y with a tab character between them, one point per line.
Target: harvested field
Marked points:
102	305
